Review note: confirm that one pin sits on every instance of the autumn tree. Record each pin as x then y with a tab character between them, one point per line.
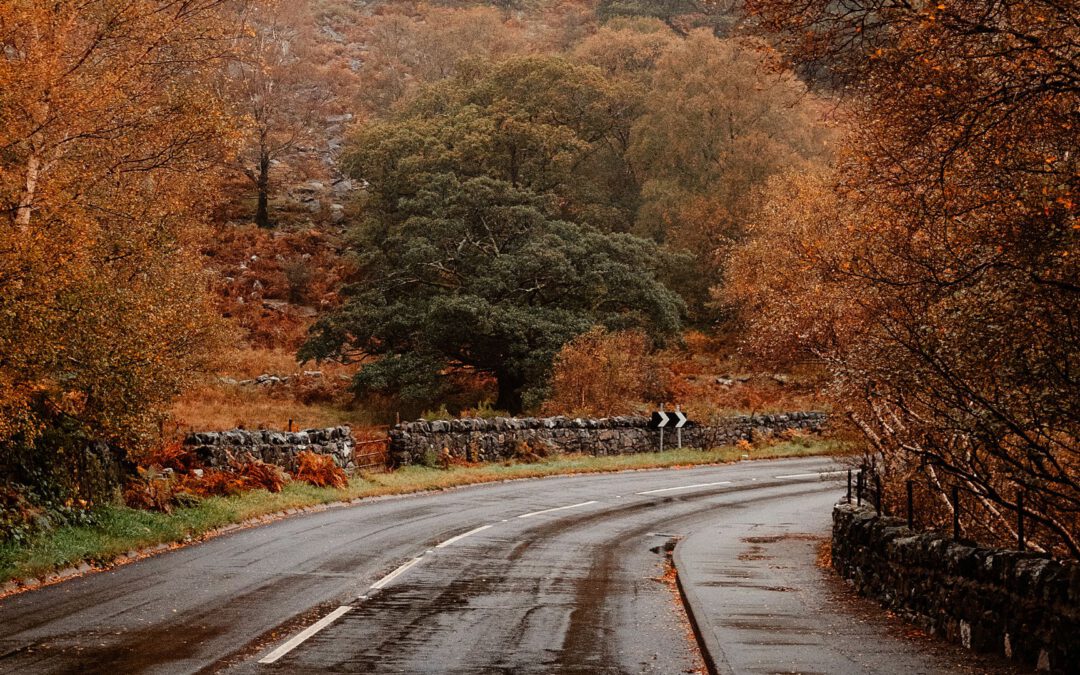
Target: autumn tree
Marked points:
627	48
407	50
110	135
281	86
538	122
720	118
954	254
600	373
719	16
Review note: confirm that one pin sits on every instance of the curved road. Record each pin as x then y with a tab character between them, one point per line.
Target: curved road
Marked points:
561	574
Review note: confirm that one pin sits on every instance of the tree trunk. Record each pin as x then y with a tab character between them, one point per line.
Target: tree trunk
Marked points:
26	201
509	393
262	184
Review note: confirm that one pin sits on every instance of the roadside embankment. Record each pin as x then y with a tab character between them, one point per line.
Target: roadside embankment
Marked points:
1023	605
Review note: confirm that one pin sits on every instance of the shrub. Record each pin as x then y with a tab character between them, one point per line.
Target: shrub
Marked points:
600	373
258	474
18	517
525	451
151	489
320	471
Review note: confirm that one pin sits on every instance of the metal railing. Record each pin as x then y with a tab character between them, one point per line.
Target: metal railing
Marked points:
859	484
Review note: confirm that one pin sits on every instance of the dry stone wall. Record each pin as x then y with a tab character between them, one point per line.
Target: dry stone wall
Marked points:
503	437
1022	605
216	448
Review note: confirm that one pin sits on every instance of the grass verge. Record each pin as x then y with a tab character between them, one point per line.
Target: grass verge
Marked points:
120	531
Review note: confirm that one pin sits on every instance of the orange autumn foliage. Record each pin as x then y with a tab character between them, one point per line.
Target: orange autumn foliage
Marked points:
320	471
600	373
111	132
936	272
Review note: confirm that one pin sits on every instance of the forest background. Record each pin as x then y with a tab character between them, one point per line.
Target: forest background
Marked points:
263	214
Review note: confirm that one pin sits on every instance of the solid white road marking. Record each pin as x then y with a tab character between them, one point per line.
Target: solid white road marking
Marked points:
461	536
305	634
684	487
395	574
560	508
826	474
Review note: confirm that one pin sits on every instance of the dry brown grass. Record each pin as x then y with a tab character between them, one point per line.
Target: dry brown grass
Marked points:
307	401
248	362
228	407
709	377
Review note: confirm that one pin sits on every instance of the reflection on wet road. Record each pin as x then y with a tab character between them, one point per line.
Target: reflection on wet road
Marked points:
554	575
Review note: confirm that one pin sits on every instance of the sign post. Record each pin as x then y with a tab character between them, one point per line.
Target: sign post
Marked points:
662	420
680	421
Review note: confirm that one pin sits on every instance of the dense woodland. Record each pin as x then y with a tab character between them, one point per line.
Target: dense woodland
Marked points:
578	207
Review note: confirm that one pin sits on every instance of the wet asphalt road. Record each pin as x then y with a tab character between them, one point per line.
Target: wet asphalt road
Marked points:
570	590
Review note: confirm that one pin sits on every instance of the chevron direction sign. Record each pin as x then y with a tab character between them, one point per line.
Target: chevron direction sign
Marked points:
667	420
679	418
660	419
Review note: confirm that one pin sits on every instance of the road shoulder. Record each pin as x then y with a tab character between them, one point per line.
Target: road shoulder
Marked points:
760	603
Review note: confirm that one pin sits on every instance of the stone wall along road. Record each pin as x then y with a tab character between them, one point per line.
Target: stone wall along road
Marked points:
1023	605
216	448
502	438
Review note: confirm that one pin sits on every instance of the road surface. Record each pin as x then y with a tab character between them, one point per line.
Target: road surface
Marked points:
561	575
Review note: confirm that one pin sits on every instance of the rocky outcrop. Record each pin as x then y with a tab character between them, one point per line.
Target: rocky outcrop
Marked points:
1025	606
216	448
502	438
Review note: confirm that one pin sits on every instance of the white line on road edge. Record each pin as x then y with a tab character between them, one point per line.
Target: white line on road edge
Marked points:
305	634
395	574
560	508
685	487
826	474
461	536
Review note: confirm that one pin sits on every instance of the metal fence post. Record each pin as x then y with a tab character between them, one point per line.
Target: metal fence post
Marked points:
849	486
858	488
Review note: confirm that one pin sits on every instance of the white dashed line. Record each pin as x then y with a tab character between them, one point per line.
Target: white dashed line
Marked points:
560	508
461	536
826	474
684	487
300	637
395	574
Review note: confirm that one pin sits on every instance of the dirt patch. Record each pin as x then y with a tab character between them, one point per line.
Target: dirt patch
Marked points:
772	539
755	552
824	555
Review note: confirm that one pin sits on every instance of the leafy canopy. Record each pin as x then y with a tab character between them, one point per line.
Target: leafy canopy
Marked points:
475	253
475	274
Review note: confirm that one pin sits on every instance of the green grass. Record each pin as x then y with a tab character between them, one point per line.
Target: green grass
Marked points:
119	530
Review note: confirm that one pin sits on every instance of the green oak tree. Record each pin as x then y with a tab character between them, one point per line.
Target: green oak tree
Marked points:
472	273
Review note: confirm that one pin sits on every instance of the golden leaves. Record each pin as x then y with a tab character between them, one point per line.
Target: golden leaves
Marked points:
112	130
